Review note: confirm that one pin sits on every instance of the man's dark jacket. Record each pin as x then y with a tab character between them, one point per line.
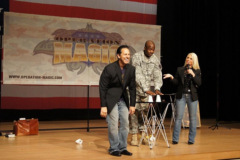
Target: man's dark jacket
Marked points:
111	87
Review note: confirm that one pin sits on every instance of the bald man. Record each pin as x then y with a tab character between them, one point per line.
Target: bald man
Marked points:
148	68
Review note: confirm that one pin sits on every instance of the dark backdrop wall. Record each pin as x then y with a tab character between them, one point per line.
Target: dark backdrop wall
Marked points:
210	28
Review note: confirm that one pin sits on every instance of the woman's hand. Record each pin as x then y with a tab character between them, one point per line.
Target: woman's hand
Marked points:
190	71
167	76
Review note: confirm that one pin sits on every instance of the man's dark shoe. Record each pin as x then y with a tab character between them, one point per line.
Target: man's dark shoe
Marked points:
174	142
116	153
190	143
125	152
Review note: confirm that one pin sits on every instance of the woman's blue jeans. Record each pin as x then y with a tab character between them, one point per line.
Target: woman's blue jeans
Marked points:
118	137
192	110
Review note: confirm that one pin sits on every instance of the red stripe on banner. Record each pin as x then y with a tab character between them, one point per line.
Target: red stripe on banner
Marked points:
81	12
94	103
143	1
49	103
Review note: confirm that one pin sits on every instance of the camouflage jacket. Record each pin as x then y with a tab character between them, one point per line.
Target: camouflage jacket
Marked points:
146	69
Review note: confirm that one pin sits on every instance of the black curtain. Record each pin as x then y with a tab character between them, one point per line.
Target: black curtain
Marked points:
210	28
4	4
229	36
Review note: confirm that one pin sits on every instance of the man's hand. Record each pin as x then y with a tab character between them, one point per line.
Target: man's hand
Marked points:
158	92
150	93
131	110
103	112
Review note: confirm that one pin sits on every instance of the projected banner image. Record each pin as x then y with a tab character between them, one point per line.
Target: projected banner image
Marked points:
66	51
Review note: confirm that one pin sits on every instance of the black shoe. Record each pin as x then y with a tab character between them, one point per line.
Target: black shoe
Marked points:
125	152
116	153
190	143
174	142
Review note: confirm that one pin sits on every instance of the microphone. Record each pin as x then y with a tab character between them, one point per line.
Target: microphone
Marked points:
188	67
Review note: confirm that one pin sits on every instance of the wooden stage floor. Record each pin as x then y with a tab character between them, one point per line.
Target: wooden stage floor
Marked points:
220	143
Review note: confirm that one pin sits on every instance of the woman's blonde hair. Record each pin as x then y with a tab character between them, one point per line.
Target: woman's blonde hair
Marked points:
195	60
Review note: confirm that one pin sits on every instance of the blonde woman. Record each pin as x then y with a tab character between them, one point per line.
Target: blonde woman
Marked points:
188	79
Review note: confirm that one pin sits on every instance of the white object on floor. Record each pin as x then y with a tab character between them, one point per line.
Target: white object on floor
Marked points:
79	141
